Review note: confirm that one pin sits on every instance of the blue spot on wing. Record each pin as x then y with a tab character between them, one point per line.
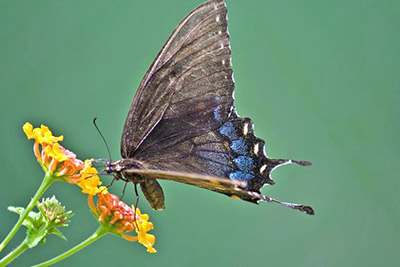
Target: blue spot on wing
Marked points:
239	175
218	114
228	129
244	163
240	147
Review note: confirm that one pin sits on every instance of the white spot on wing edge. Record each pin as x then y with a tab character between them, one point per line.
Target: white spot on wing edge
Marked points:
217	19
245	129
256	148
263	167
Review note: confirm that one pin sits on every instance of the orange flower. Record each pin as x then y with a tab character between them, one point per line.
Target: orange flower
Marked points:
53	157
122	219
61	163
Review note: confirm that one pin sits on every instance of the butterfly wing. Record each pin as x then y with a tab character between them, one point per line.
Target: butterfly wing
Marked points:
190	78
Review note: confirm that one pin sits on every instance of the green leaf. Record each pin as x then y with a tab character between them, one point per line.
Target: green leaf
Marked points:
40	224
34	236
29	221
17	210
32	220
57	232
43	241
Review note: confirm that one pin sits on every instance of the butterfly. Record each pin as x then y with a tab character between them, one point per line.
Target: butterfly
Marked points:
182	124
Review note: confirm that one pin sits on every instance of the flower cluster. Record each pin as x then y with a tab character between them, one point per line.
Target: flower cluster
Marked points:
54	212
40	225
61	163
122	219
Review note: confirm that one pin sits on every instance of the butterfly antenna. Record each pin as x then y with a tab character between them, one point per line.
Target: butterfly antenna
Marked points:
102	136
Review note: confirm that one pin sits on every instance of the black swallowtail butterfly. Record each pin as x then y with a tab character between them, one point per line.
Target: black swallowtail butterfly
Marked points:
182	124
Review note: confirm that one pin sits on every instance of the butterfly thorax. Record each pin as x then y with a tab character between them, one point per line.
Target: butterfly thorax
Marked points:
120	169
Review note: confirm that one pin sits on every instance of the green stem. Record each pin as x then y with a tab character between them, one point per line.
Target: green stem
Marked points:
47	181
101	231
14	254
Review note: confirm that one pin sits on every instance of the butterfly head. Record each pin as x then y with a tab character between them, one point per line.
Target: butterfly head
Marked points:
114	167
121	166
108	167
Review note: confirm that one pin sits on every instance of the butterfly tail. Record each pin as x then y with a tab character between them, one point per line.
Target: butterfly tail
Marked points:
257	197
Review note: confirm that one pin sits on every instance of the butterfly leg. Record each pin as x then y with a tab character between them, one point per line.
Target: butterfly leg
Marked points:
123	191
137	197
136	205
108	186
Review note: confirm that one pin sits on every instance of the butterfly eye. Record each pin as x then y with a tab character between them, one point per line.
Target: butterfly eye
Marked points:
108	168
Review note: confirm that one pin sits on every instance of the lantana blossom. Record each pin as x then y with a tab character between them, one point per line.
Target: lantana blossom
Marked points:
122	219
61	163
89	181
55	213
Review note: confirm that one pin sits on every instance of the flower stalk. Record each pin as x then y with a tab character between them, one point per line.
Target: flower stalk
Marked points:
15	253
100	232
47	181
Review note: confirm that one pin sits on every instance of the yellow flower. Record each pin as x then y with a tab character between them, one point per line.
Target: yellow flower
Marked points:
54	151
61	163
144	226
122	219
52	155
89	181
41	135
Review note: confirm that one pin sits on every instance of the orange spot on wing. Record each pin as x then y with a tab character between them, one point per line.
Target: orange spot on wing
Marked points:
215	182
201	106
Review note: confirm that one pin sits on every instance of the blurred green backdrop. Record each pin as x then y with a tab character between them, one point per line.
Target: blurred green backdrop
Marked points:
320	79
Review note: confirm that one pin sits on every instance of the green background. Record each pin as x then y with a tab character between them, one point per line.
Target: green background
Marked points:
320	79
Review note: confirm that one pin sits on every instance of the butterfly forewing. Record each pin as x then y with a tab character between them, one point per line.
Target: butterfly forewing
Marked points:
191	77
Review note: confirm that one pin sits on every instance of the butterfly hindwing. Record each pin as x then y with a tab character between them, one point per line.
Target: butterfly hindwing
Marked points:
231	151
